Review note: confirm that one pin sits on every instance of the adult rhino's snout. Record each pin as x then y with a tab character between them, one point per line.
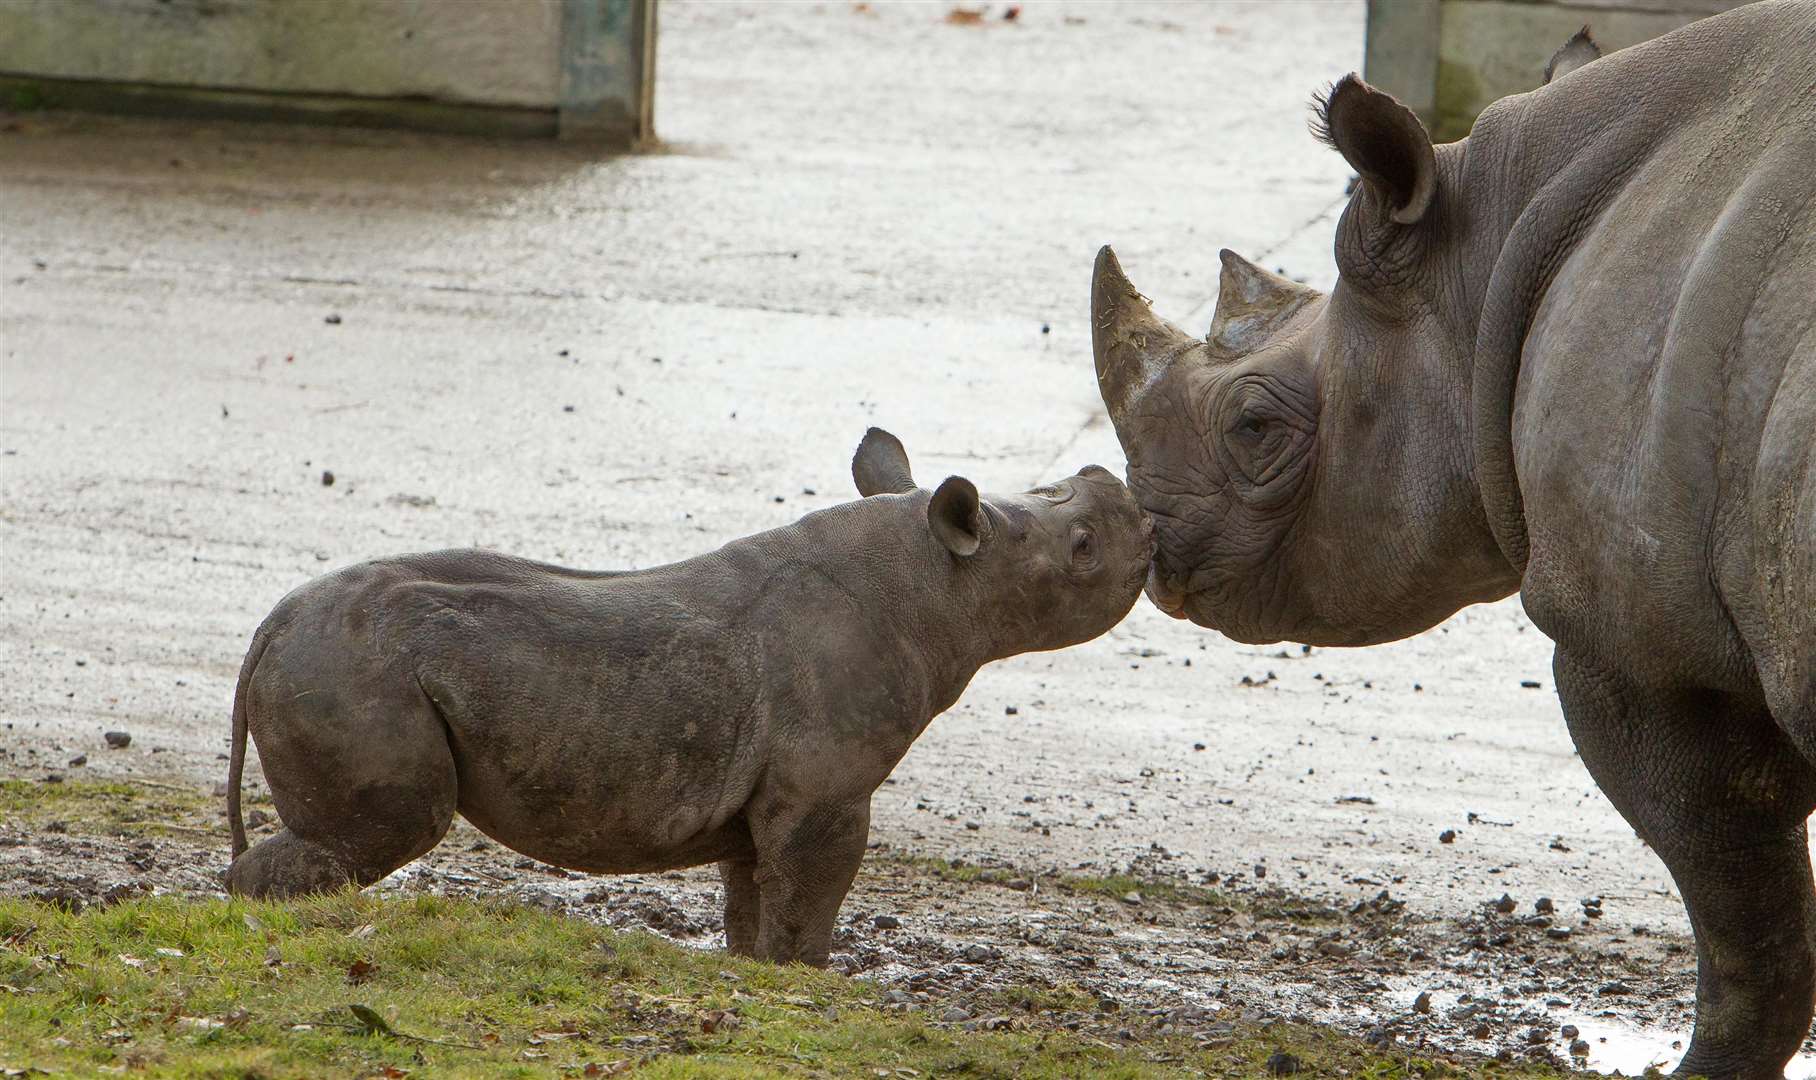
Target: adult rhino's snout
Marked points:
1131	344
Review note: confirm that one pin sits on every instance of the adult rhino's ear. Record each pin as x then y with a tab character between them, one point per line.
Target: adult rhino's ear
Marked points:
1384	142
1573	54
880	466
955	518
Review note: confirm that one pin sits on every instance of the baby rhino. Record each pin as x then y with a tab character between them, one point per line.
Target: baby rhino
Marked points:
740	707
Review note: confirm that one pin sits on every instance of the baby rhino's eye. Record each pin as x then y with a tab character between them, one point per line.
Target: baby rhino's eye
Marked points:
1084	546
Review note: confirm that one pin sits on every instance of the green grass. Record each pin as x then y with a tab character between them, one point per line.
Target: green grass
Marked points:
26	97
111	808
166	987
211	988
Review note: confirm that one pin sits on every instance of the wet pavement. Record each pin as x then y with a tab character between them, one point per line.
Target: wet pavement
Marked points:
861	214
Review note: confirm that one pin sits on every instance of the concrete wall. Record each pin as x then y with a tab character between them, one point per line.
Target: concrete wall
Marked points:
1448	59
515	64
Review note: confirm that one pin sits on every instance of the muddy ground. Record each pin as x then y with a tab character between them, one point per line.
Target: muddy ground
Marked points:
234	357
1153	952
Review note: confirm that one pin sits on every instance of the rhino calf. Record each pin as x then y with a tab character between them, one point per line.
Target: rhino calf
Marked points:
740	707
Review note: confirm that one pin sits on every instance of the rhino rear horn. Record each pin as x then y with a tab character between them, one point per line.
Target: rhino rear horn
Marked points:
1132	345
1251	304
880	467
1573	54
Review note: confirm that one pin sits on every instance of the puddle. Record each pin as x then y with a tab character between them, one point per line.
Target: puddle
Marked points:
1630	1051
1615	1048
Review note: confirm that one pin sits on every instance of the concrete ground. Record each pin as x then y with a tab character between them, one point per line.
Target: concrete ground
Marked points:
860	215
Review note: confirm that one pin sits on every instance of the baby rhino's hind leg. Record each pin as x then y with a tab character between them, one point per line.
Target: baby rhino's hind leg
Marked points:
286	865
361	790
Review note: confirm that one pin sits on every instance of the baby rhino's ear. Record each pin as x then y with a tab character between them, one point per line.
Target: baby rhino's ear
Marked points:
955	518
880	466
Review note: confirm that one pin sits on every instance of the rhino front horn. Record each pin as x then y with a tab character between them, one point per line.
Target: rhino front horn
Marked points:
1131	343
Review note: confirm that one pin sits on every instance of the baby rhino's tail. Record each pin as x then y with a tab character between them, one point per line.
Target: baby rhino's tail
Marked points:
236	764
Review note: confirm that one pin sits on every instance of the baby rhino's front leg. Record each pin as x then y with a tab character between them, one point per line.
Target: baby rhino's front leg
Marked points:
807	856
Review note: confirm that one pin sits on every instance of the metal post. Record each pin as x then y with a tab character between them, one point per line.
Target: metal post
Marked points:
1401	55
608	70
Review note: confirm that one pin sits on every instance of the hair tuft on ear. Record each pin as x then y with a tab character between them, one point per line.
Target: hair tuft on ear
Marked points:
1320	121
1580	50
1384	142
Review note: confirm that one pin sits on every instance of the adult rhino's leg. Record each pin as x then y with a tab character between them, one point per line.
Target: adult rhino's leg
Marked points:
743	906
807	857
1722	795
364	782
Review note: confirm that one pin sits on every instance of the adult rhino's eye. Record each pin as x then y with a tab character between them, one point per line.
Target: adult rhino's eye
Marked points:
1258	436
1256	418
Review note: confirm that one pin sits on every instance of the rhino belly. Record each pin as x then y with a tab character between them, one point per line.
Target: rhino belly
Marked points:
615	748
606	785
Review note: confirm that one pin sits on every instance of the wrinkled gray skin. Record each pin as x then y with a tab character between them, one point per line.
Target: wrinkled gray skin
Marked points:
1572	355
740	707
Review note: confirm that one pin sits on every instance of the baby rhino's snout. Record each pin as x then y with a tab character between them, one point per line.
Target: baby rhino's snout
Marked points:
1129	540
1125	504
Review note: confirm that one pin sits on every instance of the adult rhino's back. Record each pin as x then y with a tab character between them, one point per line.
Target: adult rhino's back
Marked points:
1663	386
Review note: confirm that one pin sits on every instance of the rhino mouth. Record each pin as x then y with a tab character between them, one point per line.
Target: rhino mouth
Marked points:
1170	601
1144	573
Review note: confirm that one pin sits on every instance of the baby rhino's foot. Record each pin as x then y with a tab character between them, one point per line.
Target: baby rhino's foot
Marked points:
286	865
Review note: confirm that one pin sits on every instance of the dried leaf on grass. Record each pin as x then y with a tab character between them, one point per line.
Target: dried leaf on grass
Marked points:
719	1020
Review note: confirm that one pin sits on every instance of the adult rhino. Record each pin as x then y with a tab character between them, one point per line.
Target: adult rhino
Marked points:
1574	355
